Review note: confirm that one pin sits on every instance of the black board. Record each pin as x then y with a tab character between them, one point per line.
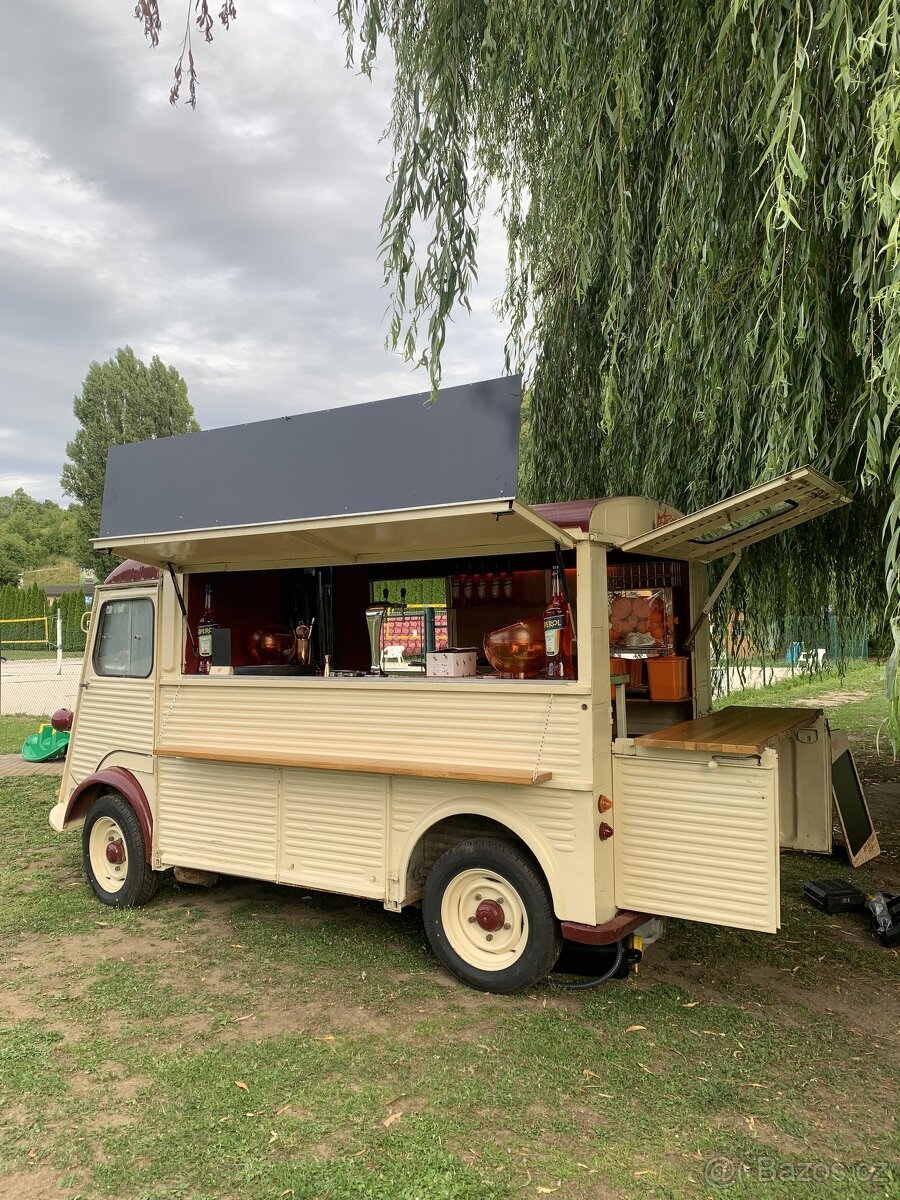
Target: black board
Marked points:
852	810
384	456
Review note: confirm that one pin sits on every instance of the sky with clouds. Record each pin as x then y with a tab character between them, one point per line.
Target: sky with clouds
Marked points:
239	242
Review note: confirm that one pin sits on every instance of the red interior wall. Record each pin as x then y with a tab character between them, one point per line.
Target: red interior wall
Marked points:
242	601
351	634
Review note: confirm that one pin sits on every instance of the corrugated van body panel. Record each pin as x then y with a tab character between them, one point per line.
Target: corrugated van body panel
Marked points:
114	715
336	828
217	817
697	843
557	825
334	831
471	725
553	814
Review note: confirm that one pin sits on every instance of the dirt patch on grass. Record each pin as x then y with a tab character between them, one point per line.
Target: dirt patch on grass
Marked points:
14	1007
34	1183
65	958
319	1021
830	699
112	1077
867	1004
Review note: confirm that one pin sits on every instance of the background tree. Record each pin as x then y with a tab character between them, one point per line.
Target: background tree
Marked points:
35	534
9	576
122	400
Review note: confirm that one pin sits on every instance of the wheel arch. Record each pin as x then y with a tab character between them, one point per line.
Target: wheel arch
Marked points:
111	779
454	822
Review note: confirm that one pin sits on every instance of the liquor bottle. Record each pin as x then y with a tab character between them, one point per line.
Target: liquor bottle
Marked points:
493	587
205	626
468	589
455	590
506	580
558	632
480	589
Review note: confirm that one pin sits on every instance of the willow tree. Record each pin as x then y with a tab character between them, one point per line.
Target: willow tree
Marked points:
702	206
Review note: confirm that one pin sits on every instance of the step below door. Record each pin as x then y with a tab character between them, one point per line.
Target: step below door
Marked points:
696	840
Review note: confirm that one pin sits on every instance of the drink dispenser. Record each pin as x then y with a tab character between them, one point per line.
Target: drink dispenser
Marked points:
375	615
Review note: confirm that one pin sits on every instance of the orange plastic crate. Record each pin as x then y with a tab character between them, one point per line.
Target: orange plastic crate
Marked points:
668	677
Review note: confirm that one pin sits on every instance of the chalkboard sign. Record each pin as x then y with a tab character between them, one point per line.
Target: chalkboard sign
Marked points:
852	810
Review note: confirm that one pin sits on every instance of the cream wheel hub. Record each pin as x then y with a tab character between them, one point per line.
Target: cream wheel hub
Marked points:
108	854
484	919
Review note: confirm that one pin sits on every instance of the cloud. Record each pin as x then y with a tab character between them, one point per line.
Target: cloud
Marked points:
238	242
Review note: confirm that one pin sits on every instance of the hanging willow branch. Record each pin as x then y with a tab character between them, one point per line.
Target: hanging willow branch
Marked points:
147	12
702	204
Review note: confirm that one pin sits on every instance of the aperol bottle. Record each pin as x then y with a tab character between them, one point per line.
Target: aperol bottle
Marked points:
205	627
558	632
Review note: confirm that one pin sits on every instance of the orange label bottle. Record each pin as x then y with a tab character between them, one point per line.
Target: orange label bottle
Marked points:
205	627
558	632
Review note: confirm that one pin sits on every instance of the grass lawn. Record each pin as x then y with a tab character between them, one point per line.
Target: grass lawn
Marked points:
14	731
250	1042
857	702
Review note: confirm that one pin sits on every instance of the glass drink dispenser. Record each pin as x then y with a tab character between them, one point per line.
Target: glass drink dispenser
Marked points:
641	619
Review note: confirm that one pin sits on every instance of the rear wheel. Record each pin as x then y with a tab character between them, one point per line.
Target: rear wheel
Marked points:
114	854
489	917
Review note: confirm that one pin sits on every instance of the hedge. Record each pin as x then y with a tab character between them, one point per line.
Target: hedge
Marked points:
20	603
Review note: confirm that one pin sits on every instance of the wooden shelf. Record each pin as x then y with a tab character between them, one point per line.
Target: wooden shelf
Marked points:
735	730
345	763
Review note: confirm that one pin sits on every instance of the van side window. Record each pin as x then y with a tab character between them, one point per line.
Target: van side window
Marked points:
124	645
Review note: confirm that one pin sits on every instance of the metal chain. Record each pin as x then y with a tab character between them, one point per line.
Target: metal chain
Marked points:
534	773
165	719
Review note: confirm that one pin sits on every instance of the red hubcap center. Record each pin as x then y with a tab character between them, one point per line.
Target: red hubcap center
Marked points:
115	851
489	915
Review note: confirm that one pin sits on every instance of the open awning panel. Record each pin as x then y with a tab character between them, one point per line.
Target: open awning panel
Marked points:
743	519
491	527
401	453
395	480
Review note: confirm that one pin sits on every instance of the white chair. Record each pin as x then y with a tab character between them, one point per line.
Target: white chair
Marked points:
392	656
812	659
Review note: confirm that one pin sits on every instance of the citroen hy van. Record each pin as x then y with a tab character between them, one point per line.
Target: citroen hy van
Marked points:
518	810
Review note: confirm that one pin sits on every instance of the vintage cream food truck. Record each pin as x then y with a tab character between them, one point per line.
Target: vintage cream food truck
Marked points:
237	713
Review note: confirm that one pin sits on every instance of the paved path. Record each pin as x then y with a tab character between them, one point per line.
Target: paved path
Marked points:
15	764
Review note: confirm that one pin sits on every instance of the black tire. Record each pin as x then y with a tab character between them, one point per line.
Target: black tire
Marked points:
501	884
120	884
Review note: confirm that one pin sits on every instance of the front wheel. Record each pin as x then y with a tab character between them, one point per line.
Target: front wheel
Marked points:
114	854
489	917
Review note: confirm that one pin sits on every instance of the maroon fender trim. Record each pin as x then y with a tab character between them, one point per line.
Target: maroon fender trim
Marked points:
115	779
623	923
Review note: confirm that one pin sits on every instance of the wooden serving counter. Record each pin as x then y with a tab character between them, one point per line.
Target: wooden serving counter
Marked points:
735	730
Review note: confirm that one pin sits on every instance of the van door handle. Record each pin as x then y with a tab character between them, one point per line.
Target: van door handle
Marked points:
86	684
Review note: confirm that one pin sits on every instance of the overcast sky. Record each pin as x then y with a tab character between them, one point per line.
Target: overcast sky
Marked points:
238	242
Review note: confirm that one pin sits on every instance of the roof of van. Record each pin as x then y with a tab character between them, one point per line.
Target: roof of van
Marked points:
569	514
